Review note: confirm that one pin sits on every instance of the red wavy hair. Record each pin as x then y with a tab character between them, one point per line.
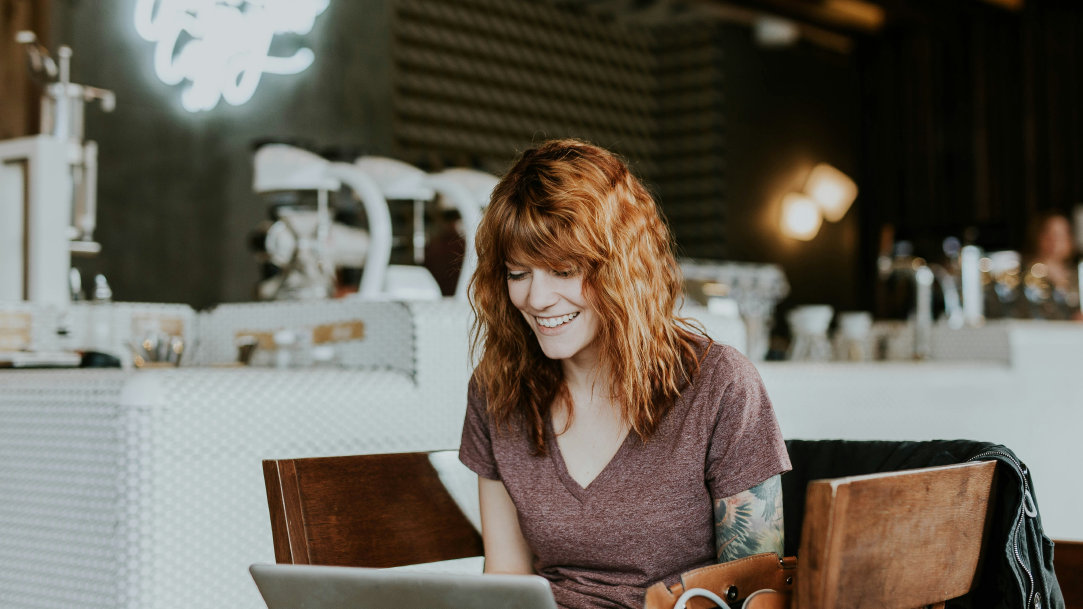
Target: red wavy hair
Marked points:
569	205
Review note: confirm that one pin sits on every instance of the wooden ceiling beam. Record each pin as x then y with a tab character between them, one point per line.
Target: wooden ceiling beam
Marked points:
857	15
1012	5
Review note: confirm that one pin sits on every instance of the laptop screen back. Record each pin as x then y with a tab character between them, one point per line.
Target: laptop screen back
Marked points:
286	586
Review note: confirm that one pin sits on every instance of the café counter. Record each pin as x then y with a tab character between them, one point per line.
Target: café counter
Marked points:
143	488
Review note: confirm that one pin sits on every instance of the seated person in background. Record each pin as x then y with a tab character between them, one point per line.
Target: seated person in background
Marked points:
1050	278
444	251
616	446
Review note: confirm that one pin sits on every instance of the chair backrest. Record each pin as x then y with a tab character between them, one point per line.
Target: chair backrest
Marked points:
364	511
896	540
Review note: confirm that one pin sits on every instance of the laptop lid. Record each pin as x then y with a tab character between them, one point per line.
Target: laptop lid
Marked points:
286	586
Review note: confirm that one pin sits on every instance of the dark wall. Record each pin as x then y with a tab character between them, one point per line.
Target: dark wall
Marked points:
972	122
788	109
175	188
956	115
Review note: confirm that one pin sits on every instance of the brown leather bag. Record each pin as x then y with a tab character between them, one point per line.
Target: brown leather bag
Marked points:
730	582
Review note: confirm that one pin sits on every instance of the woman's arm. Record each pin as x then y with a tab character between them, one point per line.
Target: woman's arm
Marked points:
749	522
505	549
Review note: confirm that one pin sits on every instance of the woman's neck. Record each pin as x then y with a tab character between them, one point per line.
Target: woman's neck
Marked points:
588	382
581	374
590	405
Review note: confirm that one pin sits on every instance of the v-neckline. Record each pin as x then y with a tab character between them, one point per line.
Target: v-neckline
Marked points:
578	491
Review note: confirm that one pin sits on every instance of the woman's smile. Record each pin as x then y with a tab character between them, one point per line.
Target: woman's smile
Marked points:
555	322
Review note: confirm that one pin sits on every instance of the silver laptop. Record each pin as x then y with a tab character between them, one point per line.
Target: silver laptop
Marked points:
317	587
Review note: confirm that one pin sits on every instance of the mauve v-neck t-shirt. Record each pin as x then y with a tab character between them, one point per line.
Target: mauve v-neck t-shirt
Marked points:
648	515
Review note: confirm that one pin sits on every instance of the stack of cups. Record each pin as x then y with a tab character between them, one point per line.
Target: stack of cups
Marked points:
808	325
853	335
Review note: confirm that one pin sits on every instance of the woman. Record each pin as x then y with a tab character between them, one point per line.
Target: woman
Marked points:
1050	281
615	446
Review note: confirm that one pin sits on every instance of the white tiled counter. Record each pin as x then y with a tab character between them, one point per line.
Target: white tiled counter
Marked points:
143	489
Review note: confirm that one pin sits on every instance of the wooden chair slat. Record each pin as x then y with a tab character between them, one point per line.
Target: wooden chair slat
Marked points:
365	511
895	540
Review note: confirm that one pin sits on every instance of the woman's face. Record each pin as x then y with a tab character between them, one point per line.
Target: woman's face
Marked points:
1055	239
556	309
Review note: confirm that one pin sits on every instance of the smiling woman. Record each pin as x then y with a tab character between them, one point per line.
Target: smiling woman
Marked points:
555	307
616	445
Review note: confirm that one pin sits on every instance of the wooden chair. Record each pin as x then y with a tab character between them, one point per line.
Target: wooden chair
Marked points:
896	540
364	511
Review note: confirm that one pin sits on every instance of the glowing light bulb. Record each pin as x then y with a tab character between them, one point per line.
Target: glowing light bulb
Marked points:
832	190
800	217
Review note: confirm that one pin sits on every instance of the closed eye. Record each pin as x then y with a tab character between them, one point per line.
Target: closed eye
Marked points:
516	275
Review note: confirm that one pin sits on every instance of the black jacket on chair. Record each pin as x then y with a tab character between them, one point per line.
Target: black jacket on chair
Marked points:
1018	575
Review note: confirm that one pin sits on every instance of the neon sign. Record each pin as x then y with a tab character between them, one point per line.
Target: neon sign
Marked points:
222	47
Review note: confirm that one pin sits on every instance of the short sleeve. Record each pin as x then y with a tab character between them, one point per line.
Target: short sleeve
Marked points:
476	448
746	444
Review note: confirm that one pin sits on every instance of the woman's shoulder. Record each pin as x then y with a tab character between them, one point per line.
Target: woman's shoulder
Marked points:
715	357
723	369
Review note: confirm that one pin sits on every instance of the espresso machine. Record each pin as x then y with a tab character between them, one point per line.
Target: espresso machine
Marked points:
304	245
48	185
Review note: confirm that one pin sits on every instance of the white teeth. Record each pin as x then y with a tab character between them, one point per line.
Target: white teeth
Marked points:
552	322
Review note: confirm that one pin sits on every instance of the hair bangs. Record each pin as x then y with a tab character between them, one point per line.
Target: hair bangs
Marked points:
532	236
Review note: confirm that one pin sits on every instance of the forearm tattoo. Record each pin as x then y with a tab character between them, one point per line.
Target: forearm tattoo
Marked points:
750	522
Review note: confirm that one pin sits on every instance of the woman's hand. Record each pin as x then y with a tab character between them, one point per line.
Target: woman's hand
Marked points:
749	522
505	549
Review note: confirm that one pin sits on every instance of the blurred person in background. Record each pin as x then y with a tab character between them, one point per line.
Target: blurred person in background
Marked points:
1050	280
445	249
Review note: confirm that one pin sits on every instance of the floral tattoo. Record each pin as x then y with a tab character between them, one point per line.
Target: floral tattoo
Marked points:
750	522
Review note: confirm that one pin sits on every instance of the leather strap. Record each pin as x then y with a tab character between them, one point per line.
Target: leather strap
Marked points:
733	580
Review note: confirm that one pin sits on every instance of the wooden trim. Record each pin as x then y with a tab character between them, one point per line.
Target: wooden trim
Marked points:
855	15
272	481
25	164
1068	564
19	95
1012	5
300	553
816	531
284	504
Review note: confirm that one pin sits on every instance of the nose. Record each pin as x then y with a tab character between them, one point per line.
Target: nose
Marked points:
542	293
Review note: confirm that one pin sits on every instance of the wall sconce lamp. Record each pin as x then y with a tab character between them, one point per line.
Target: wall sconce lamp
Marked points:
833	190
800	217
828	195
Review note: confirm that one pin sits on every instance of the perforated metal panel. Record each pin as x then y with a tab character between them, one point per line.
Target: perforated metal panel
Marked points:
62	465
143	489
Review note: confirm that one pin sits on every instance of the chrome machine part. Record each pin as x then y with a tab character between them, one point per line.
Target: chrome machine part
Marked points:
63	117
48	184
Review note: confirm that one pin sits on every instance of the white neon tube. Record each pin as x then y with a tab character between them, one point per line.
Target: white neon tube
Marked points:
222	47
